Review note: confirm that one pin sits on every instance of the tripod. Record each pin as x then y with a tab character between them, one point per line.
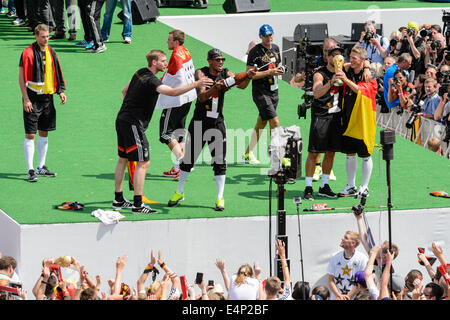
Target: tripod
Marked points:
280	180
297	201
387	138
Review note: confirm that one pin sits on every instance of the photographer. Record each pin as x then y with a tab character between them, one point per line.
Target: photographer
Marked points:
414	45
394	39
398	89
377	46
324	133
435	49
432	99
403	63
442	112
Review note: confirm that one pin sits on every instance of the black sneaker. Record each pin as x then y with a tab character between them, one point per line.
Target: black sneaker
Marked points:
44	172
308	194
142	209
32	177
326	192
125	204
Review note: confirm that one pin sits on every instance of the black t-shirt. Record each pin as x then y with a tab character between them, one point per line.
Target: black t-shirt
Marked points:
211	109
321	105
270	59
140	100
348	97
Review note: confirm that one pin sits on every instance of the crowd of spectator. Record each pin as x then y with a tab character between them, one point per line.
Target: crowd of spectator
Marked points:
413	73
352	275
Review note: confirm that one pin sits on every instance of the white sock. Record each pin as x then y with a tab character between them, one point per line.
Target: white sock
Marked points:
351	164
220	183
176	165
28	148
367	166
42	146
308	181
325	178
182	180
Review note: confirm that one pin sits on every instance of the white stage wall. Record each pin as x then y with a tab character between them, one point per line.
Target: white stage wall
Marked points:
191	246
232	32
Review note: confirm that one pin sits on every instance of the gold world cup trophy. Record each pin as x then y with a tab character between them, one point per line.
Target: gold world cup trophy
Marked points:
63	261
338	62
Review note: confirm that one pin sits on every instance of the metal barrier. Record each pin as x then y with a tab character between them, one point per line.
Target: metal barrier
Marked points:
428	128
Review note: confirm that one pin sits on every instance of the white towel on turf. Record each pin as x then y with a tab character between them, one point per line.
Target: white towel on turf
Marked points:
107	216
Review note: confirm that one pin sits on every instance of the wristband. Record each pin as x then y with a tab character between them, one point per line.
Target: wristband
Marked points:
162	265
424	114
148	268
400	93
283	266
388	262
379	46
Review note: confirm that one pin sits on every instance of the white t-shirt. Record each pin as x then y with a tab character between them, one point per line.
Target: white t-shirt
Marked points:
249	290
344	270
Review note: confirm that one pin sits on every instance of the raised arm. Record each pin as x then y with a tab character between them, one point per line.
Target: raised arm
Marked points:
120	264
199	82
220	264
143	278
384	290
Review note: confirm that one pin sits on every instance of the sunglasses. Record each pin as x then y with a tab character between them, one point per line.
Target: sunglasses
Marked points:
219	59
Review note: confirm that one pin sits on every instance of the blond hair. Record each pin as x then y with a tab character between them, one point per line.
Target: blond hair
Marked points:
433	144
243	272
354	236
360	51
154	55
178	35
39	28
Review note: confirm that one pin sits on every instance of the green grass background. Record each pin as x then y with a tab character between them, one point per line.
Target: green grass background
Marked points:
83	148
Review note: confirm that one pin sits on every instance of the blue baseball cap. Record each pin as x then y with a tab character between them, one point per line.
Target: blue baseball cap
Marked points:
265	30
359	277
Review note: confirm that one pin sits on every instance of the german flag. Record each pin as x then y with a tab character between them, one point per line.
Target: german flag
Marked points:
363	121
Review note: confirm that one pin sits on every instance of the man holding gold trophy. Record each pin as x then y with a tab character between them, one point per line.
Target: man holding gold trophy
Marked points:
324	133
358	104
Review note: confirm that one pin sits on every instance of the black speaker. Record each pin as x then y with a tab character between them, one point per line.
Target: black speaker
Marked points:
182	3
289	58
240	6
315	32
142	11
357	28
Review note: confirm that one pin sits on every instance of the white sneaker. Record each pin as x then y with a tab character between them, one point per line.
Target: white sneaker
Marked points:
332	176
18	22
127	40
99	49
348	191
362	192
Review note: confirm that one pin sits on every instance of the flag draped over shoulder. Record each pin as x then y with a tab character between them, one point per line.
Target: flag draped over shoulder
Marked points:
363	122
180	71
40	78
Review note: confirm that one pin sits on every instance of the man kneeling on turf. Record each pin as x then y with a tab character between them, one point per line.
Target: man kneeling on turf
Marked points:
140	96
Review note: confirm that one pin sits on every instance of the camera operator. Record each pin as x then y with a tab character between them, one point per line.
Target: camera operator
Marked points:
432	99
403	63
324	133
398	89
377	46
435	50
442	112
414	45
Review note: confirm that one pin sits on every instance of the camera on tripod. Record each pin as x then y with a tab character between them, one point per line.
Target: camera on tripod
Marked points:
308	55
415	109
285	152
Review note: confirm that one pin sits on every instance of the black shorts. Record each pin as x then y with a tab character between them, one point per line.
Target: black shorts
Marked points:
324	134
43	115
172	123
214	133
352	145
132	143
267	105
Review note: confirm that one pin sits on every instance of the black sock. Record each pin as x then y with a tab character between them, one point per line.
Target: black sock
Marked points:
138	201
119	196
318	164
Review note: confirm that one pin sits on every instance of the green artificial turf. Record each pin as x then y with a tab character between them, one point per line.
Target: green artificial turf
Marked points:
83	148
